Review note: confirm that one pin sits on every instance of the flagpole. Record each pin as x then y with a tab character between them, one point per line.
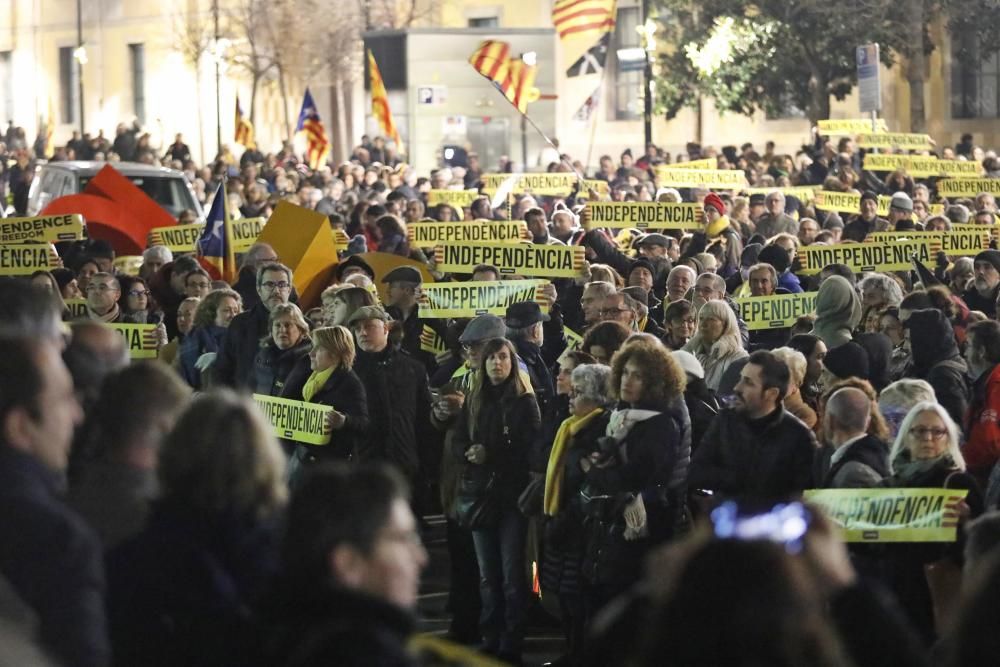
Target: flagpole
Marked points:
593	126
550	143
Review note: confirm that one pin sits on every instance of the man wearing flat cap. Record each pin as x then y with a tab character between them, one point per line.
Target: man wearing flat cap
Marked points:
402	306
524	328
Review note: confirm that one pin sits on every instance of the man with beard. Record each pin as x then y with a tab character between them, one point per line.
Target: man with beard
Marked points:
982	295
756	450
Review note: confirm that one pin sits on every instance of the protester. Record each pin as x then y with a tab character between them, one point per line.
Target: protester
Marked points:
937	360
716	344
287	343
603	340
170	352
850	458
200	348
340	302
793	401
181	591
895	401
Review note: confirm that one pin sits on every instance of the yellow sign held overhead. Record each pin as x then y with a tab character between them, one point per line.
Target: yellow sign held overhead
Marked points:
848	202
77	308
526	259
892	515
431	341
340	239
895	140
726	179
968	187
140	339
50	228
182	238
461	198
851	126
429	234
23	260
707	163
865	257
626	215
920	166
775	312
803	192
573	340
551	185
956	243
296	420
476	298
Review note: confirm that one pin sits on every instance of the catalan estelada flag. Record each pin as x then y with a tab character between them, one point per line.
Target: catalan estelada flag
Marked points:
214	248
581	24
512	76
380	104
317	145
244	128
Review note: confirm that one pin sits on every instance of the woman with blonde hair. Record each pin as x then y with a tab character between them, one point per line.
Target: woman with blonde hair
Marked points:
326	376
796	362
286	343
716	343
179	592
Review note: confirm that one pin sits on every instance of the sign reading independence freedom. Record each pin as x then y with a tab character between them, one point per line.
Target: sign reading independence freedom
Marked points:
429	234
775	312
526	259
864	257
640	215
50	228
892	515
476	298
296	420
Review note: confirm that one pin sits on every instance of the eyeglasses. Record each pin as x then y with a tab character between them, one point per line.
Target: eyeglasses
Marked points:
922	433
138	293
271	285
101	287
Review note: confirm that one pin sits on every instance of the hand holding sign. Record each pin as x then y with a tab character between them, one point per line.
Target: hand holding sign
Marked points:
476	454
335	420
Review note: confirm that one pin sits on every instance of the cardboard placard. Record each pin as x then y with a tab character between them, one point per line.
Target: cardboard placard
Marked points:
642	215
476	298
430	234
725	179
48	228
891	515
23	260
296	420
140	339
525	259
775	312
866	257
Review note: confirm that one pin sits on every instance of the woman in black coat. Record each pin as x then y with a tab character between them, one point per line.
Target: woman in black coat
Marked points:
287	343
325	377
644	454
498	424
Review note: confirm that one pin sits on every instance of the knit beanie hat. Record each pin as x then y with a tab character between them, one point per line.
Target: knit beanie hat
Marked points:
869	194
838	311
776	256
848	360
715	201
750	254
991	256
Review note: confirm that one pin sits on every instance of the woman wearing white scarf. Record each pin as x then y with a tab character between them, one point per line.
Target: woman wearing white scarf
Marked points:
716	343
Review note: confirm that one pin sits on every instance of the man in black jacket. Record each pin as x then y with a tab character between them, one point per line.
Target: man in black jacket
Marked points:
399	400
851	458
234	364
936	359
982	294
49	556
404	289
524	328
756	450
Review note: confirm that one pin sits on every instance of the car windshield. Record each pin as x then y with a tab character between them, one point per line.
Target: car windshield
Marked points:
170	193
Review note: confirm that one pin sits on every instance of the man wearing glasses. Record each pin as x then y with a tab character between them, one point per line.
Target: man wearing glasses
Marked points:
234	365
103	293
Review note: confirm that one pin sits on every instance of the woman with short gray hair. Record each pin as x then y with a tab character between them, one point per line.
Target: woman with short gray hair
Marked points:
565	538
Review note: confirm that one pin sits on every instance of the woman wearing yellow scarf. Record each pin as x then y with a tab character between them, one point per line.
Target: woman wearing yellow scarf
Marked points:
564	531
325	377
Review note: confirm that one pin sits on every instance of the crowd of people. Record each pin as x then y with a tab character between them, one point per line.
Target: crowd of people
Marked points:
607	436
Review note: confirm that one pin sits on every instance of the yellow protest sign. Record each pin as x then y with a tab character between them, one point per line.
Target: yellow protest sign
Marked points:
340	239
431	341
804	192
525	259
23	260
936	209
968	187
460	198
895	140
640	215
707	163
49	228
848	202
865	257
957	243
775	312
428	234
891	515
476	298
573	339
128	264
552	185
726	179
851	126
919	166
140	339
182	238
77	308
296	420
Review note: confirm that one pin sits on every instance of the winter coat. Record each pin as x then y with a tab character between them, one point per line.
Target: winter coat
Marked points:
858	229
344	391
652	461
201	340
702	407
327	625
982	424
715	367
272	366
768	225
541	378
936	359
413	327
52	561
769	458
181	592
985	304
863	465
234	365
506	424
399	406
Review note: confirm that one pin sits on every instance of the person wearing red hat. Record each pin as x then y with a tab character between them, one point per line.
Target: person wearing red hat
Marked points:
718	230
